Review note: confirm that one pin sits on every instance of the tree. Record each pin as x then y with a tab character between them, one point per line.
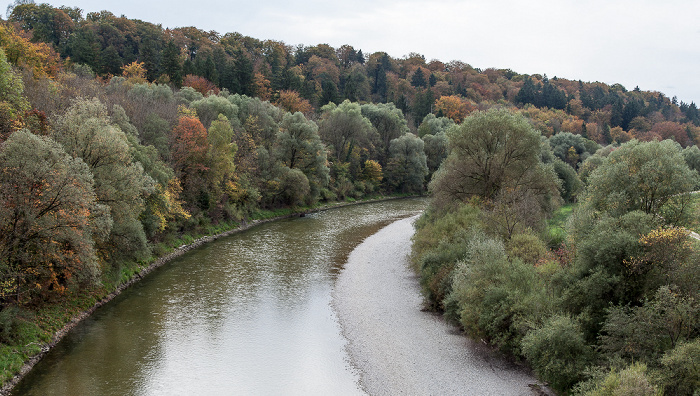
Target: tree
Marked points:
491	151
110	61
435	150
649	176
343	127
49	216
189	145
298	146
563	142
356	86
200	84
86	131
12	101
558	351
432	125
221	154
292	102
41	59
171	63
135	72
209	109
453	107
422	104
644	333
418	79
389	123
669	130
406	168
372	173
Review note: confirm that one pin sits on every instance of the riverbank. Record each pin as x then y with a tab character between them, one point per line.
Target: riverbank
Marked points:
399	348
83	308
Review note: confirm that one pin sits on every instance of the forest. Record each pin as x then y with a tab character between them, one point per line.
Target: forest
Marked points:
559	223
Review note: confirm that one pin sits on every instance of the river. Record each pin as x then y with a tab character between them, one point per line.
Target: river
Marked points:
248	314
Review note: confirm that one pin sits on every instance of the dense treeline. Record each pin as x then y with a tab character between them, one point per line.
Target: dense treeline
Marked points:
309	77
118	136
612	307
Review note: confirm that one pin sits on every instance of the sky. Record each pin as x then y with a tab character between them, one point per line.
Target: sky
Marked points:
652	44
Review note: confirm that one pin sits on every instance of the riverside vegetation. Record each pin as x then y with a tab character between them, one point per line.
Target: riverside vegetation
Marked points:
607	307
121	140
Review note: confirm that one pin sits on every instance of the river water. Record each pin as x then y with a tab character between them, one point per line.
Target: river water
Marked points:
248	314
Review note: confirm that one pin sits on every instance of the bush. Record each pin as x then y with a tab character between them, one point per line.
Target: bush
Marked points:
632	381
558	352
497	298
527	247
680	372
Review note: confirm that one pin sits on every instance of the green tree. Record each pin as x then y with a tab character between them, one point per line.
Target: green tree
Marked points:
389	123
49	216
83	47
644	333
680	372
692	157
171	64
418	79
86	131
298	146
356	86
435	151
649	176
110	61
343	127
562	143
209	108
422	104
222	151
491	151
12	100
407	168
432	125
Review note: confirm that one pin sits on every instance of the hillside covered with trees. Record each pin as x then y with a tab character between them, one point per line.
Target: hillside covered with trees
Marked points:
119	137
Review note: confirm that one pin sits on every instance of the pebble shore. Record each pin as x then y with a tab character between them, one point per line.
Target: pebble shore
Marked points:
398	348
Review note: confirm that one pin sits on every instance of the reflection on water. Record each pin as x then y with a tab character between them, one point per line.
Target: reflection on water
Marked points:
247	314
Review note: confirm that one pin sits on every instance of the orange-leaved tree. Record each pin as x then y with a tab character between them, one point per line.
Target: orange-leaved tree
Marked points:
189	145
454	107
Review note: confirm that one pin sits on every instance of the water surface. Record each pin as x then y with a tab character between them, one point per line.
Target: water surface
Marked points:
247	314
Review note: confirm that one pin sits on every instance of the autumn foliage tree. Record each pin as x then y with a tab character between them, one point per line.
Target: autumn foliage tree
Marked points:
39	58
135	72
453	107
292	102
189	146
200	84
49	215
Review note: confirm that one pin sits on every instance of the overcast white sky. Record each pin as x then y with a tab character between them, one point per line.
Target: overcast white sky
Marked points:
653	44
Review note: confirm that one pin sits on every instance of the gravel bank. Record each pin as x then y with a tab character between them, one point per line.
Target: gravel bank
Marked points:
401	350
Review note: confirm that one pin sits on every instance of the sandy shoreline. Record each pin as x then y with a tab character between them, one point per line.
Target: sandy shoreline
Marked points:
399	349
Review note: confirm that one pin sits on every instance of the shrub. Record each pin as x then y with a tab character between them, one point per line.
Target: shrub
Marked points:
680	372
527	247
558	352
631	381
497	298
